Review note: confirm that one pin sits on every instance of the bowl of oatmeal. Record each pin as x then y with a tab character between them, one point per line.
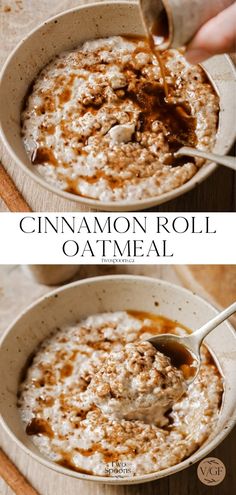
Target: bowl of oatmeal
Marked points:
85	394
91	113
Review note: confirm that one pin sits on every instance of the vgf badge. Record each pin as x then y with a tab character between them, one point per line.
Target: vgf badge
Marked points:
211	471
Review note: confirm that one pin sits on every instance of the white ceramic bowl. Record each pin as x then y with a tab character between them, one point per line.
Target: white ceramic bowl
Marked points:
65	32
111	293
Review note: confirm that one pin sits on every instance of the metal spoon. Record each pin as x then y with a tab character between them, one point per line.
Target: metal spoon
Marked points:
227	161
184	352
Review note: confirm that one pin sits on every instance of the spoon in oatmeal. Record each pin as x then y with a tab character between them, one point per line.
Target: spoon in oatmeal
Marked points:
227	161
144	379
184	352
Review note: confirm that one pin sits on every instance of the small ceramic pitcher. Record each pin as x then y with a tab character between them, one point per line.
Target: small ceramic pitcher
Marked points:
51	274
173	23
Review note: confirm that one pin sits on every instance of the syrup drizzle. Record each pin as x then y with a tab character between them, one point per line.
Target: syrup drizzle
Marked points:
159	30
159	58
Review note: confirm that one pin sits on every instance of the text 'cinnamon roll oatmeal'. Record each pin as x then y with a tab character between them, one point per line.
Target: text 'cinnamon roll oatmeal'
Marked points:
97	122
77	426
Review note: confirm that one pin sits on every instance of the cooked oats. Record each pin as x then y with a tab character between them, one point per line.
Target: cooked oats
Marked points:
97	122
59	412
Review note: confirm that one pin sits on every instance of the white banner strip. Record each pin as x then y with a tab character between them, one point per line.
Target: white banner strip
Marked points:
97	238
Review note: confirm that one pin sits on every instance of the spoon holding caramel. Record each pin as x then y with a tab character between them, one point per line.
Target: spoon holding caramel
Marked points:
184	352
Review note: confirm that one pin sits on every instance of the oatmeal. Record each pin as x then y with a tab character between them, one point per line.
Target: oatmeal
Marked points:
137	382
59	409
97	122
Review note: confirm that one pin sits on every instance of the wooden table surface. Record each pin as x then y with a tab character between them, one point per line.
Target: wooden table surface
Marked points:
17	17
16	292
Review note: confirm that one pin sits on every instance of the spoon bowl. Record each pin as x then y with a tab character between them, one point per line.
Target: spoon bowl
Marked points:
227	161
184	352
180	351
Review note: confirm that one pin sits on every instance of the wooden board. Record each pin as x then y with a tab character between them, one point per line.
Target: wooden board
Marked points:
16	292
17	18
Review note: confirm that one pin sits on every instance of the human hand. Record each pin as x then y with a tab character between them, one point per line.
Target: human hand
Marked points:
216	36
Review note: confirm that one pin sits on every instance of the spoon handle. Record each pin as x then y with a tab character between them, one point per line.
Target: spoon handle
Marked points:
202	332
228	161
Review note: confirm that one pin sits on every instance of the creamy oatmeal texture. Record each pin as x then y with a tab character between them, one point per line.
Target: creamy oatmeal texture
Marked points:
137	382
97	123
58	407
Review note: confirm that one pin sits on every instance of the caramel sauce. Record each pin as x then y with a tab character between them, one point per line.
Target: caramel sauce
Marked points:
65	95
66	461
47	401
93	106
151	48
112	181
62	354
102	345
66	92
43	155
73	355
67	133
39	426
160	27
108	456
72	184
167	326
160	61
48	376
180	357
48	105
61	65
64	406
150	98
163	74
66	370
48	129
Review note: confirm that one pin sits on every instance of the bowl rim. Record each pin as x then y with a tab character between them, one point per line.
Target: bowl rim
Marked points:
207	169
198	455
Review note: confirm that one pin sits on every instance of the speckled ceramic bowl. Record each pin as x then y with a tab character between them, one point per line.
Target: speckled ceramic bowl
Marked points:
65	32
112	293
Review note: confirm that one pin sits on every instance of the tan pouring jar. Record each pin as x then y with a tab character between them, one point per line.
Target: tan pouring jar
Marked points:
176	21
